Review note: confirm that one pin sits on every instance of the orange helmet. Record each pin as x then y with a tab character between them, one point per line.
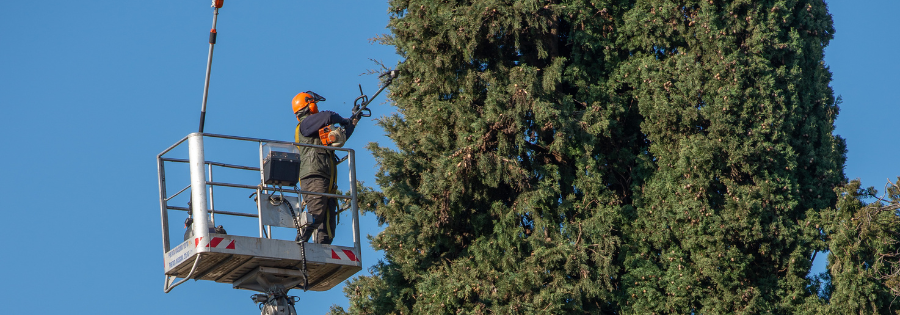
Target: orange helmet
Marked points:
305	103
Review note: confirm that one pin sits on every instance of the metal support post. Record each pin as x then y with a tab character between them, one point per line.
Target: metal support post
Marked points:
212	199
163	212
260	192
353	206
198	185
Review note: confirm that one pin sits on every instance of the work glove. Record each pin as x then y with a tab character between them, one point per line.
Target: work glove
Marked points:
348	130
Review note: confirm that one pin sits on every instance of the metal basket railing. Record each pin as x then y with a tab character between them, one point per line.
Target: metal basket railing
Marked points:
202	182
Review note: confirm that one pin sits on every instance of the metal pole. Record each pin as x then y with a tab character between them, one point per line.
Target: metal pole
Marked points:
212	44
353	205
163	204
262	229
260	191
198	186
212	199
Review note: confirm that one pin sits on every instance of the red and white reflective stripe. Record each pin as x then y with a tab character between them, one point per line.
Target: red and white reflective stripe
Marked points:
343	254
216	242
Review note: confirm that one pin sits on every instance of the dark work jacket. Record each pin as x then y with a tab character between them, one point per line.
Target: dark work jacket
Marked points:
315	161
310	126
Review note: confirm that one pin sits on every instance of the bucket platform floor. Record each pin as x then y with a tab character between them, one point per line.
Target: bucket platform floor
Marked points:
231	259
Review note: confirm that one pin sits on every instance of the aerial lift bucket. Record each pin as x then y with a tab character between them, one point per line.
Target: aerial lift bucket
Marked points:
257	263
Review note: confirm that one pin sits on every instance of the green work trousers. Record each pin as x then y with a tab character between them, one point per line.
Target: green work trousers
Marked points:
322	209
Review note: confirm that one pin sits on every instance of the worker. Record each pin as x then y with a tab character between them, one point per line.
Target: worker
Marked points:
318	168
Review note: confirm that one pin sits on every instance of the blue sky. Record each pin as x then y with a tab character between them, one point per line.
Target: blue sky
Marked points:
91	91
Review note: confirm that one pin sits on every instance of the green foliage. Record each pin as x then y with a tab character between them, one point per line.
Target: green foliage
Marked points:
516	162
605	156
864	240
739	115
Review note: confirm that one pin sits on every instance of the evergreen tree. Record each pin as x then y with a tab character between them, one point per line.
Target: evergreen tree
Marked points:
735	102
863	274
517	160
607	156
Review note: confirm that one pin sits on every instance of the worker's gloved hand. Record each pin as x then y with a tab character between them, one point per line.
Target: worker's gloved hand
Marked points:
346	121
348	129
